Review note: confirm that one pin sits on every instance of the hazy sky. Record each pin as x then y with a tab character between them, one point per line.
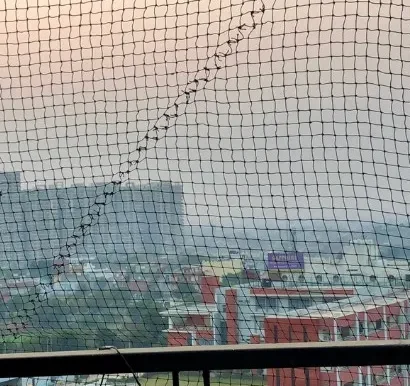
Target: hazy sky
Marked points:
307	119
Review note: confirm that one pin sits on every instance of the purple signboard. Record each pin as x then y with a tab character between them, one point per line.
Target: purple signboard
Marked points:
285	260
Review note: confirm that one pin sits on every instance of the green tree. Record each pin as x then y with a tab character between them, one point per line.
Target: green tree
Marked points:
100	317
149	326
187	292
22	342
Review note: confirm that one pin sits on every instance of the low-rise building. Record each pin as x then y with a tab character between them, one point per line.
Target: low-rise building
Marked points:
381	317
222	267
360	264
233	315
317	313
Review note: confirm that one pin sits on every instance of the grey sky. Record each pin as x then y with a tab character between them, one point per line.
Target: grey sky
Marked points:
309	115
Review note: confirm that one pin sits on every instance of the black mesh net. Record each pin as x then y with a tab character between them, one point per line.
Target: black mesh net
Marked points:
203	172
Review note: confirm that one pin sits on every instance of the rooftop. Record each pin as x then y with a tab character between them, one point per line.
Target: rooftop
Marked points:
316	291
349	306
191	309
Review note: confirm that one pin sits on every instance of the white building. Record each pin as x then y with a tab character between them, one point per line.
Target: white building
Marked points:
359	264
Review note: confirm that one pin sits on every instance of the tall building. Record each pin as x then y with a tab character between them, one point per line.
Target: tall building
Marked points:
13	231
41	219
140	221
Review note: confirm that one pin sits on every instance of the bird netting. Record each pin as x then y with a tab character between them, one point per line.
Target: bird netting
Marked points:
203	172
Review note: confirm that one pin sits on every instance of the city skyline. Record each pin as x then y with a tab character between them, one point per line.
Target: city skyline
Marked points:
303	121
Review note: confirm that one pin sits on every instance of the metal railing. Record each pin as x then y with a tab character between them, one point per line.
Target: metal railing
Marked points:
110	360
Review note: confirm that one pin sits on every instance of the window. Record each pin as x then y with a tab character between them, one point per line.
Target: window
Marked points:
392	280
361	328
336	279
346	333
271	302
357	279
299	303
319	278
392	321
324	336
376	325
267	302
302	279
260	302
284	278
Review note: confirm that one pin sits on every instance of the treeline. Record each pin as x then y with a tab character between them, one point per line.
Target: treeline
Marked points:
86	320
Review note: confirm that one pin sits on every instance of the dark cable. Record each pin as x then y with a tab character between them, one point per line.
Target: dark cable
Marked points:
125	361
102	380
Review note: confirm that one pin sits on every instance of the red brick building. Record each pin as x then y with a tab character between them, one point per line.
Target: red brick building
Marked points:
356	318
234	315
257	315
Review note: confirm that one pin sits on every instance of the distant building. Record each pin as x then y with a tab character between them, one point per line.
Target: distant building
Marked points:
185	274
234	315
13	229
220	268
140	220
360	264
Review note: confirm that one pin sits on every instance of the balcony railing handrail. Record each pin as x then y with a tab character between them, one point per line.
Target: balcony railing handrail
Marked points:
205	358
